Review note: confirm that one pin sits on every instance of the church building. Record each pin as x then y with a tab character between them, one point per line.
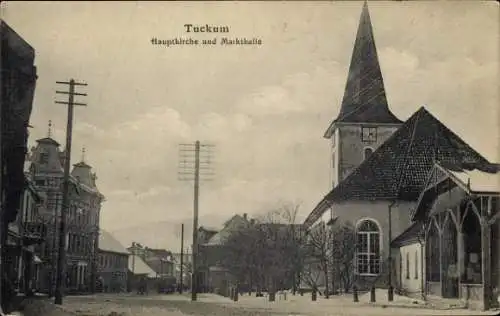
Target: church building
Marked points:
380	165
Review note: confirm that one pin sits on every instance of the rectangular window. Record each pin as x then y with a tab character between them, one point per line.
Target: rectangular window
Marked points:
416	264
368	256
407	265
44	158
369	134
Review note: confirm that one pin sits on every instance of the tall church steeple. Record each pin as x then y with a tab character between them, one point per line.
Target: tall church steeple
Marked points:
365	120
364	98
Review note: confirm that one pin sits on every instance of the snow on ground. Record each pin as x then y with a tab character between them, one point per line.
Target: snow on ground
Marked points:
208	304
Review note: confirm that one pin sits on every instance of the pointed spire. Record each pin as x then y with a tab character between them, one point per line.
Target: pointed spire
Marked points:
364	98
83	154
49	132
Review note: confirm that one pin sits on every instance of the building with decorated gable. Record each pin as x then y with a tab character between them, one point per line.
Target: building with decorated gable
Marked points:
456	228
83	216
380	165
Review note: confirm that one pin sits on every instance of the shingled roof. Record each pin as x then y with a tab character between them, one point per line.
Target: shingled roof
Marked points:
399	168
364	98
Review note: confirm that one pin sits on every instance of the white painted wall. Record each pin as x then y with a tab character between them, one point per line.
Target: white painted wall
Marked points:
354	211
410	272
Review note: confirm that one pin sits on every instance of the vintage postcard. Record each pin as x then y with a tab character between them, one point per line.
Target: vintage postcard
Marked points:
249	158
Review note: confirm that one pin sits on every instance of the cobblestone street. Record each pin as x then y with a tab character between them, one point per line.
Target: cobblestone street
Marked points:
180	305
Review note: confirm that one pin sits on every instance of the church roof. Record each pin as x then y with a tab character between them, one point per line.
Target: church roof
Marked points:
399	168
364	98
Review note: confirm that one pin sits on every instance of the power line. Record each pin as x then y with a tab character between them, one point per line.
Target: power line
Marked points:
61	260
193	155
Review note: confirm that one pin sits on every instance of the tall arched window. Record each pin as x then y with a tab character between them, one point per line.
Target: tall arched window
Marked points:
368	247
368	151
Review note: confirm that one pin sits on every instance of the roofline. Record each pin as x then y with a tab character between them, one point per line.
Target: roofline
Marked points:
115	252
308	221
485	193
456	181
431	190
406	242
464	185
395	240
329	131
24	50
44	139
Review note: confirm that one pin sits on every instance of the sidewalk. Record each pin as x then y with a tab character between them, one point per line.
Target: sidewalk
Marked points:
322	306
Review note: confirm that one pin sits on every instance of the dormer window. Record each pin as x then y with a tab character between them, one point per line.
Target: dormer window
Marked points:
369	134
44	158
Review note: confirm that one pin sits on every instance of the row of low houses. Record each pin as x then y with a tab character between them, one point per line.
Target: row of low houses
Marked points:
423	203
128	269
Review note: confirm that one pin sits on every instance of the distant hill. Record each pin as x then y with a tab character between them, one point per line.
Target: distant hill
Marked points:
166	234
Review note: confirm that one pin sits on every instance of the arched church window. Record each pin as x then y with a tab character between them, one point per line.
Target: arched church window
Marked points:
368	247
368	151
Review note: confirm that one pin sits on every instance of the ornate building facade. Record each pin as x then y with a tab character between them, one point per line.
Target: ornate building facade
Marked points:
46	167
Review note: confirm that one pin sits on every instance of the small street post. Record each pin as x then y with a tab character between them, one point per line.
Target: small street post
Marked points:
182	261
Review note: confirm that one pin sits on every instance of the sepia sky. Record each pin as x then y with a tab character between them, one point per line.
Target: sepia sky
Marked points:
264	107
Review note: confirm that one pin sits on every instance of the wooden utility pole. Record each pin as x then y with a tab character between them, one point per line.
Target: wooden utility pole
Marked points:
192	169
181	285
194	278
61	260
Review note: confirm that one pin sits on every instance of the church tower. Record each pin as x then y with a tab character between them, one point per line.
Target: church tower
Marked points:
365	120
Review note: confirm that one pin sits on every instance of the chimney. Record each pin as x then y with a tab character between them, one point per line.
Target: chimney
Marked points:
245	216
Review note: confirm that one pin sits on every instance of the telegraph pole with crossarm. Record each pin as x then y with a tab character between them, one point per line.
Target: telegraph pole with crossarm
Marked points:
61	259
194	164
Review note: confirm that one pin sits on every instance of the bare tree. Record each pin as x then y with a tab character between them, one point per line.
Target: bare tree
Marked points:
318	244
342	253
268	252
